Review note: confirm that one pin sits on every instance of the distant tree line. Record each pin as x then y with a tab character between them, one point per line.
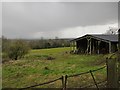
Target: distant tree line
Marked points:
17	48
48	43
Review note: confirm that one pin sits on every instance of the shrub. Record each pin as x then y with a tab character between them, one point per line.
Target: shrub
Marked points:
17	49
5	43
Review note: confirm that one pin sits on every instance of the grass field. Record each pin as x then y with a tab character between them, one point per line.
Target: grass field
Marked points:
47	64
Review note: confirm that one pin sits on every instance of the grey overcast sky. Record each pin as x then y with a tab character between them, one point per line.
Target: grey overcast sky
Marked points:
32	20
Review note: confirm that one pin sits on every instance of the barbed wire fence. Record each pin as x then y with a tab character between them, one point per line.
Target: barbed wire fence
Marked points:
64	80
84	73
49	82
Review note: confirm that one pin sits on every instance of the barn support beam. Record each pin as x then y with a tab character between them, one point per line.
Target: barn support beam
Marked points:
87	46
110	50
93	50
90	46
72	45
98	49
75	46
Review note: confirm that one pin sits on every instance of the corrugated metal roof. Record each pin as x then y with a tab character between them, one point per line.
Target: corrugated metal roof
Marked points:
112	38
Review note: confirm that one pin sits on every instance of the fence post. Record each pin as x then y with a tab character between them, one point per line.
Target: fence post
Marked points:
66	81
112	77
62	78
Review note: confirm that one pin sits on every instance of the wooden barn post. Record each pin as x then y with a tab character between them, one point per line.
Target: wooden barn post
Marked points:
98	49
87	45
72	45
93	47
109	47
90	46
75	45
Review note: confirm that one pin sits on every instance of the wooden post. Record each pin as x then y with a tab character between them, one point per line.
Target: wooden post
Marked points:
75	46
98	43
112	78
87	45
72	45
62	82
90	46
110	47
65	86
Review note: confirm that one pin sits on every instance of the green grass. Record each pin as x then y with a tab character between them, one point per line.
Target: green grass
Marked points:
35	68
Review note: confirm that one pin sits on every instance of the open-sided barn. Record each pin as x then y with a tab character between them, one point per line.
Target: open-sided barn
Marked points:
95	44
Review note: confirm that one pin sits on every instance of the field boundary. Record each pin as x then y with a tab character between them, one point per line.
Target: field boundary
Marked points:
65	77
91	72
61	78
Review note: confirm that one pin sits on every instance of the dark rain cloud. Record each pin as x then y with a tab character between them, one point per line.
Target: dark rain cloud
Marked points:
25	18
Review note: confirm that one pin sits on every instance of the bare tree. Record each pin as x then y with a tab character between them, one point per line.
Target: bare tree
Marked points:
112	30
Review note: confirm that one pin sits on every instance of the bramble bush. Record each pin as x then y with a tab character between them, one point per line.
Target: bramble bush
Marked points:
17	49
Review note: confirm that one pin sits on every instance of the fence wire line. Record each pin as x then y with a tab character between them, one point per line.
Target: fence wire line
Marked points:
62	78
86	72
43	83
90	71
